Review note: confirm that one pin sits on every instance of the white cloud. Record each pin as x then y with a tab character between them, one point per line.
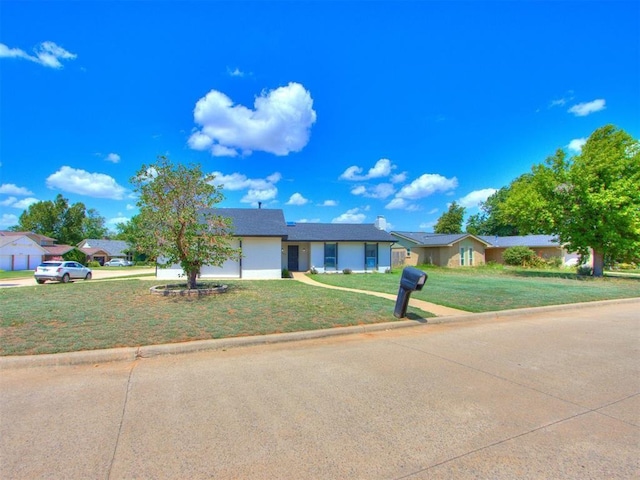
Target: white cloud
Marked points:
382	168
130	207
433	211
238	181
254	196
381	191
297	199
399	177
8	220
397	204
7	202
47	54
25	203
280	122
329	203
576	144
476	197
350	216
11	189
116	220
113	157
308	220
236	72
426	185
97	185
584	109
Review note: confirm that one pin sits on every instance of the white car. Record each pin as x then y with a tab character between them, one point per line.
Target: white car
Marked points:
118	262
61	271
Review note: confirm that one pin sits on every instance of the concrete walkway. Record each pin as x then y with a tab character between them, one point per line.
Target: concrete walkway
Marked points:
546	394
437	310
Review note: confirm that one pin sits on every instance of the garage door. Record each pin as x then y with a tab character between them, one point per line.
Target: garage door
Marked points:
20	262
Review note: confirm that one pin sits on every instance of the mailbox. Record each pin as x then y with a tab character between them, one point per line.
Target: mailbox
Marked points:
412	279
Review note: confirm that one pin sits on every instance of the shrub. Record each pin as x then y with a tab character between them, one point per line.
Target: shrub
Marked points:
313	271
585	270
286	273
347	271
76	255
93	264
554	262
518	256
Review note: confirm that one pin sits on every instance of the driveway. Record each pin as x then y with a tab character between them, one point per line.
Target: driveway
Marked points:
96	275
553	394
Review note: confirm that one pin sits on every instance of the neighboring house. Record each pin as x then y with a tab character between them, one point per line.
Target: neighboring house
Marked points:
464	249
19	251
445	250
102	251
545	246
268	245
26	250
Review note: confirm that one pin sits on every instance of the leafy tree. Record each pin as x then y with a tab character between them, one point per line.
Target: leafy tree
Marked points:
491	220
591	201
93	225
131	232
56	219
177	223
451	220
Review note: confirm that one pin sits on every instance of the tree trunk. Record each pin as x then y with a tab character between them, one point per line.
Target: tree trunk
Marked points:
598	264
192	279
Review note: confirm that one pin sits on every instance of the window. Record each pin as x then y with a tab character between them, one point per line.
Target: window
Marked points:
462	256
331	256
470	256
370	256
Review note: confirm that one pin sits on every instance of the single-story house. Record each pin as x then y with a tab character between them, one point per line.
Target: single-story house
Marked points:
268	245
101	251
465	249
26	250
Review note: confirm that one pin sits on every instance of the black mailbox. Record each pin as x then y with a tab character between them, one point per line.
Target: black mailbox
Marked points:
412	279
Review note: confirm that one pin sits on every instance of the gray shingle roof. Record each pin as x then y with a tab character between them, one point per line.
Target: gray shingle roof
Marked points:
423	239
336	232
115	248
523	240
254	222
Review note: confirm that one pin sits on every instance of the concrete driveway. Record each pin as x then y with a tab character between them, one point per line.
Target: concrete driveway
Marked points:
540	395
96	275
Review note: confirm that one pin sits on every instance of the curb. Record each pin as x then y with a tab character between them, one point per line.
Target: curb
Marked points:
130	354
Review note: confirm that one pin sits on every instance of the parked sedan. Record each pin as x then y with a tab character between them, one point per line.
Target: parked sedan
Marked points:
61	271
118	262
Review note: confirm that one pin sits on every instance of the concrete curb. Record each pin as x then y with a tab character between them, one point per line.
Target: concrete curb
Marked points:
130	354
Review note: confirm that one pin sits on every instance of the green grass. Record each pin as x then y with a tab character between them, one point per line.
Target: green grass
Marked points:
54	318
15	274
491	289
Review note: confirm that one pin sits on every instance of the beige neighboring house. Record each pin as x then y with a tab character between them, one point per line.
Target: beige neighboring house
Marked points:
466	250
101	251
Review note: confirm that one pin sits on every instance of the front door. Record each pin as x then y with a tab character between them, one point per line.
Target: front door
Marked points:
292	255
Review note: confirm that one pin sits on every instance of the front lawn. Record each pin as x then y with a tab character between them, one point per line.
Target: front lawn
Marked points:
487	289
54	318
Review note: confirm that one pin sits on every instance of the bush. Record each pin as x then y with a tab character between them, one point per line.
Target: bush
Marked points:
76	255
347	271
93	264
286	273
585	270
518	256
554	262
313	271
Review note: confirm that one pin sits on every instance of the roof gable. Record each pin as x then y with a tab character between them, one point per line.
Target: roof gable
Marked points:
253	222
114	248
422	239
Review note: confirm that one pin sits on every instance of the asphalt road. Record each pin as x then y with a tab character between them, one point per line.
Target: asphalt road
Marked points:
539	395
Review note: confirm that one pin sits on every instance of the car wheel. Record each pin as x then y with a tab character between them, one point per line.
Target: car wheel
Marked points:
88	277
39	281
65	278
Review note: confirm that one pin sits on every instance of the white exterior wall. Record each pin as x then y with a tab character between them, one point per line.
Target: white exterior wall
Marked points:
261	258
21	254
350	255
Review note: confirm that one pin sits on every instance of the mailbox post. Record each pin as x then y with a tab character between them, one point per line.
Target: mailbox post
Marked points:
412	279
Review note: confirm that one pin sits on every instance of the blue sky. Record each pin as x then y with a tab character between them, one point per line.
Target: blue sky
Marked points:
332	111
